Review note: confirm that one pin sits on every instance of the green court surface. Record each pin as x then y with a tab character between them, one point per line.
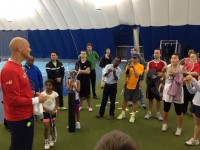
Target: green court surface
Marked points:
146	133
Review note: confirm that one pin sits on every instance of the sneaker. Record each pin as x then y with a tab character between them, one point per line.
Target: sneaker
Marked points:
132	119
143	106
147	116
99	116
51	141
178	131
121	116
95	97
89	108
62	108
78	125
164	127
130	104
46	144
81	107
192	141
159	117
110	117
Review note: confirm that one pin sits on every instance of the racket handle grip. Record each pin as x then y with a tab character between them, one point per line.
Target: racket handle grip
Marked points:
71	111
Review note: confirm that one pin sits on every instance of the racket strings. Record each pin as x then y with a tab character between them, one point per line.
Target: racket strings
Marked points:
187	63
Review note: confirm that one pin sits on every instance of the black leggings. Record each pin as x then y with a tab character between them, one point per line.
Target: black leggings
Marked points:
178	107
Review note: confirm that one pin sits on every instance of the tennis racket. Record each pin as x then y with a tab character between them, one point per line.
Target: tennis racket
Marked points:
49	103
53	130
188	64
70	68
33	87
77	67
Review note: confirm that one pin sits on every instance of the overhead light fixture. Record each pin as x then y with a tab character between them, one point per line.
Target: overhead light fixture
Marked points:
98	8
102	3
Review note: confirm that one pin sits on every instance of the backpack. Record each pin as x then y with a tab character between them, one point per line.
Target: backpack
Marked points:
152	83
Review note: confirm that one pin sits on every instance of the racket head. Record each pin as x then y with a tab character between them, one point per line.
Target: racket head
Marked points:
70	66
73	73
187	63
49	103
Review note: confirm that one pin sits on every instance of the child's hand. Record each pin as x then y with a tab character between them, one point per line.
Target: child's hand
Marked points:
59	80
73	83
173	72
110	70
188	79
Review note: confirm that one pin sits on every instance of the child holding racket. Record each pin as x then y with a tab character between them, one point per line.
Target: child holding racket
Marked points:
74	85
50	111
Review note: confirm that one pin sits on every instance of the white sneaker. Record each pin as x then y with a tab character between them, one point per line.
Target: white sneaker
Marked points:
164	127
121	116
192	142
178	131
159	116
78	125
81	107
147	116
132	119
46	144
63	108
89	108
51	141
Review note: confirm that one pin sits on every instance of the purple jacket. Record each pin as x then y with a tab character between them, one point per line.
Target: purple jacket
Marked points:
176	87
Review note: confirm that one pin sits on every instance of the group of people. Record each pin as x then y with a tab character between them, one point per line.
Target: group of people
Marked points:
19	99
165	82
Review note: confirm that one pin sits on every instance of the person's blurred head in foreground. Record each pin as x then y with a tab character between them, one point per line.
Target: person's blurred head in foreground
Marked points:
116	140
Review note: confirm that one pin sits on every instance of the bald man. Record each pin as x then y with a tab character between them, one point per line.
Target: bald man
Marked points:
17	96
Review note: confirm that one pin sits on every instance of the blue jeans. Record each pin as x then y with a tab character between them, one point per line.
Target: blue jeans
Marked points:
142	97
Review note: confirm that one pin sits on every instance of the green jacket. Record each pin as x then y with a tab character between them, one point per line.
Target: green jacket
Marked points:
92	58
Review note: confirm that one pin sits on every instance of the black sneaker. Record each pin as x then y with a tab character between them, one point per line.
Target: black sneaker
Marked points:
143	106
98	116
130	105
95	97
110	117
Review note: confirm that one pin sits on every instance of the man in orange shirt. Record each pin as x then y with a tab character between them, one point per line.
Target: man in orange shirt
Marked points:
132	92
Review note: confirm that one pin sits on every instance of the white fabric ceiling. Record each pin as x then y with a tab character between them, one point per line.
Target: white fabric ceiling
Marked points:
82	14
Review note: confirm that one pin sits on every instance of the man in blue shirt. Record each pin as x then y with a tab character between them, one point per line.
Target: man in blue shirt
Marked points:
34	74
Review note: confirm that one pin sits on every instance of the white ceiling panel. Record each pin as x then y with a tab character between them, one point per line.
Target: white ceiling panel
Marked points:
83	14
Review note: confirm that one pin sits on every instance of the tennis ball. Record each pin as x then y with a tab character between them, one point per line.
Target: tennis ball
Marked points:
28	124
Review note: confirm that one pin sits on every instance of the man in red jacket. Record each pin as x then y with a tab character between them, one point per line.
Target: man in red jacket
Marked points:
17	96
